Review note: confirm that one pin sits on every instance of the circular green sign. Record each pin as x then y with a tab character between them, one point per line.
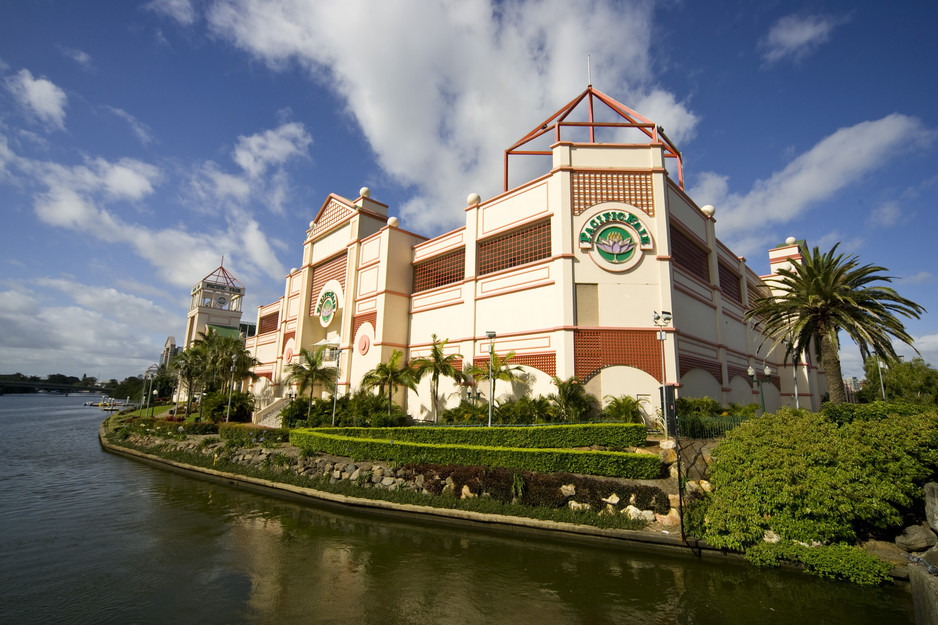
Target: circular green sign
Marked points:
614	244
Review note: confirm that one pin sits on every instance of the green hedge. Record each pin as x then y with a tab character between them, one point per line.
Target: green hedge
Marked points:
606	463
246	434
540	437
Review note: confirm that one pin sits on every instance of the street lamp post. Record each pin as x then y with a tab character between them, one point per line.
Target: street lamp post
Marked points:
491	336
879	365
153	407
661	321
752	374
335	388
234	357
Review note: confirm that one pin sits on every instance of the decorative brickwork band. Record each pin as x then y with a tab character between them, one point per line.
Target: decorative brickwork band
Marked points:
330	270
712	367
333	214
546	363
358	320
595	187
597	349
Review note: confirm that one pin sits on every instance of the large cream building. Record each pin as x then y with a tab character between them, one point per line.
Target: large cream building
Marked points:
574	271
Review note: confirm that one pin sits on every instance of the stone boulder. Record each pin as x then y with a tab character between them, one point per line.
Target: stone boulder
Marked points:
670	519
931	505
668	456
891	554
643	515
916	538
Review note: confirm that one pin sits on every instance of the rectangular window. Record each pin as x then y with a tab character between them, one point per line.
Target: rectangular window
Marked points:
730	284
268	323
522	246
689	256
440	271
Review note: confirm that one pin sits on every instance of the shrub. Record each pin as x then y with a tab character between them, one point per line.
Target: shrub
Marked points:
215	407
808	479
623	408
248	435
617	464
848	413
836	561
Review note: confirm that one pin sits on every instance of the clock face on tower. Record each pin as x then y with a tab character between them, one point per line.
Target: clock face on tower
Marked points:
222	300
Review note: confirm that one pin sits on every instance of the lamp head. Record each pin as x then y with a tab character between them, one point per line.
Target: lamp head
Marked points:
767	370
490	334
751	372
666	315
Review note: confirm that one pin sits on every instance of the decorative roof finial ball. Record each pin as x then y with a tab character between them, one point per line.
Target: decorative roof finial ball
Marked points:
393	221
708	210
364	192
311	224
473	199
791	241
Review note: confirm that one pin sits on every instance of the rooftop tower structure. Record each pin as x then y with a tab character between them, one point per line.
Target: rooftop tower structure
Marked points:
216	304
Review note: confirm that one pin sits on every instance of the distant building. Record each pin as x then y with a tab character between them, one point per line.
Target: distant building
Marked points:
169	351
602	268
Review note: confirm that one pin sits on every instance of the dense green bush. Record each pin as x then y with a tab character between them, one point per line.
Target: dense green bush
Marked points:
615	435
837	561
215	407
614	464
808	479
362	409
848	413
248	435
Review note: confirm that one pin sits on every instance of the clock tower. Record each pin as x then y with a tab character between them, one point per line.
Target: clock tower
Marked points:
216	304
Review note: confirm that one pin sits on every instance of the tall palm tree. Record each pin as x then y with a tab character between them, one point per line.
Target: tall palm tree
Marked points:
437	364
310	371
391	375
825	294
502	369
187	367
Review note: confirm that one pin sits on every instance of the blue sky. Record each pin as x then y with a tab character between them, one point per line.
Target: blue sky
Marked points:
141	142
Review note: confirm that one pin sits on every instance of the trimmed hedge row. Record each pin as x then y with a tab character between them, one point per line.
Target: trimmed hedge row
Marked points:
606	463
539	437
247	434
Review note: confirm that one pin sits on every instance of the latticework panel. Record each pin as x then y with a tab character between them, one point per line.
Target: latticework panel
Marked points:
358	320
712	367
330	270
689	256
546	363
334	213
268	323
594	187
596	349
440	271
522	246
730	284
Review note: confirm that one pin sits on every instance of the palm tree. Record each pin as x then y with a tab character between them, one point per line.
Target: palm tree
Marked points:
825	294
572	400
310	371
437	364
187	367
502	369
391	374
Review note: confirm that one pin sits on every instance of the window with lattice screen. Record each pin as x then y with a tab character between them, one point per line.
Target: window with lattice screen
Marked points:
521	246
688	255
440	271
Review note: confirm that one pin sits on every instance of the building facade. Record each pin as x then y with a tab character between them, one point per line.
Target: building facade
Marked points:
602	268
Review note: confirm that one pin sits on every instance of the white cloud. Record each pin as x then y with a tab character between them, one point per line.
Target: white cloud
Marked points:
141	130
40	97
476	76
79	56
180	10
922	277
842	158
270	148
797	36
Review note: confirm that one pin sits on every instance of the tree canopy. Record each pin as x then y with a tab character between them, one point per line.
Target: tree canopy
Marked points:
828	293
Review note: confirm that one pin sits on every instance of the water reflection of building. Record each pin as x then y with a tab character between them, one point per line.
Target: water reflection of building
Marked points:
568	269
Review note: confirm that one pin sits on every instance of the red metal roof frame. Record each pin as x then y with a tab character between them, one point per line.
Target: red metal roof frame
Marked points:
633	120
221	276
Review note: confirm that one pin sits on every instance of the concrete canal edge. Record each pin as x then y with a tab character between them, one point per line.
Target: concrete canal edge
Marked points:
646	541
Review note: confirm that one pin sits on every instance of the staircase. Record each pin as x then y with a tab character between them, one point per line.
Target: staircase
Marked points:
269	416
